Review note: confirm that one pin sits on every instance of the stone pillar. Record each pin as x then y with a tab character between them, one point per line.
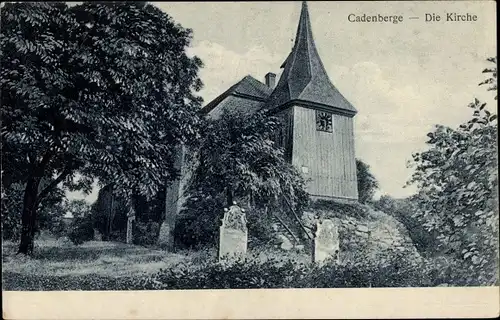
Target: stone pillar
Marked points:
172	208
175	199
166	236
130	235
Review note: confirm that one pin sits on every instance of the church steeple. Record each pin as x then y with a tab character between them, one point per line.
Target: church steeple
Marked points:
304	79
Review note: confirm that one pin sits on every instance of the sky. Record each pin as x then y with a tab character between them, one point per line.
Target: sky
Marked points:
402	78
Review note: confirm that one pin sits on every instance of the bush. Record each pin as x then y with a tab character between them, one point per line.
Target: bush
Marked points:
260	230
81	230
11	225
201	217
241	275
367	184
146	233
340	210
388	270
196	232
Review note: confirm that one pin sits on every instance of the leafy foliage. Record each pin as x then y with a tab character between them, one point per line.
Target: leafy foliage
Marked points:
367	184
80	230
78	207
260	228
109	214
11	211
237	159
457	178
197	231
238	153
105	90
51	212
146	233
97	84
52	209
134	59
491	81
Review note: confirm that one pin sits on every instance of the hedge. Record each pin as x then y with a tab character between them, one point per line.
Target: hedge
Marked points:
395	271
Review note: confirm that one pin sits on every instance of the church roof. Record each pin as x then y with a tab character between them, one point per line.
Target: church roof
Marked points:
253	87
304	79
248	87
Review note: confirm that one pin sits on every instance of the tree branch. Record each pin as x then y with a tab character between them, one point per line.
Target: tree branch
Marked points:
46	158
52	185
31	159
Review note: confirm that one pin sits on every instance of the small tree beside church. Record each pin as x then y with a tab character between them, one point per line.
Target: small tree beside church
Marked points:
367	184
239	161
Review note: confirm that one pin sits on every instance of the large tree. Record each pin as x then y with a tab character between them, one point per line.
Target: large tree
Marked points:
104	90
457	179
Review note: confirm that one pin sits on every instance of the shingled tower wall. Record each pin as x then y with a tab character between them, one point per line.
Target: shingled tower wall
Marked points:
319	138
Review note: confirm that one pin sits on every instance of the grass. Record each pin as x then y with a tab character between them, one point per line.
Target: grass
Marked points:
94	261
52	257
80	267
59	265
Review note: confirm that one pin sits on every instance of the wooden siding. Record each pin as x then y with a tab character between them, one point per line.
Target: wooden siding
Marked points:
329	157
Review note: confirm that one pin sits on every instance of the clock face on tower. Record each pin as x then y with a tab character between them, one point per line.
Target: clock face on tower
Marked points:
324	121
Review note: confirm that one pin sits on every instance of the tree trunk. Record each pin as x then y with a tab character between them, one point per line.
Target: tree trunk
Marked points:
229	195
111	215
28	219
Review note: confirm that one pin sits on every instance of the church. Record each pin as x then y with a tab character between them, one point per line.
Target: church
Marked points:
319	136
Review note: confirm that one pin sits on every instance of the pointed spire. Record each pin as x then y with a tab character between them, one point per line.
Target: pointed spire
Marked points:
304	79
304	29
